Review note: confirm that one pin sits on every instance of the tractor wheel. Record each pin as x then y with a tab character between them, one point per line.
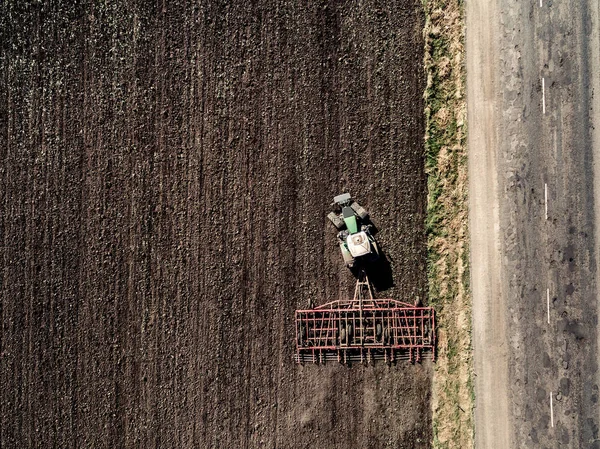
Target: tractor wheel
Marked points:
337	221
346	255
378	332
359	210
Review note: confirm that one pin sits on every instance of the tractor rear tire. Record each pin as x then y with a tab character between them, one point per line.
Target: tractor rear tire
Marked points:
336	220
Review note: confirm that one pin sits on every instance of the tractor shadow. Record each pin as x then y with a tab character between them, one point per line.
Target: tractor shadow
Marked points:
380	270
373	228
379	273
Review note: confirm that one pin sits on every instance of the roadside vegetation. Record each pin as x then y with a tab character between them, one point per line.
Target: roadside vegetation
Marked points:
447	222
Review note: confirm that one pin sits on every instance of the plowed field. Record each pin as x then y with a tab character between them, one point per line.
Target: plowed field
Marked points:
165	172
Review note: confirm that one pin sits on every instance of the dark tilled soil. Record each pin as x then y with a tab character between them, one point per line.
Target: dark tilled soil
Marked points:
164	178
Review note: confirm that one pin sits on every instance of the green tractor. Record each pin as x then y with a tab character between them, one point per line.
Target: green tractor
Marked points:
357	244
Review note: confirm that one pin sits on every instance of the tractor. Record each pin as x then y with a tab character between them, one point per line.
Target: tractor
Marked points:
357	244
362	328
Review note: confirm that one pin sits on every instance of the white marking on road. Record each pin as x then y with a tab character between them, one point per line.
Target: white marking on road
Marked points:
546	199
543	95
540	3
548	303
551	411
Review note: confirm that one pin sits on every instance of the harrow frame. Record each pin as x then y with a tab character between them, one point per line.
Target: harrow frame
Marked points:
364	329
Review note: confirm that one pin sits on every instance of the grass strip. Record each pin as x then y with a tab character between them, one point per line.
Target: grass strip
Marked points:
447	222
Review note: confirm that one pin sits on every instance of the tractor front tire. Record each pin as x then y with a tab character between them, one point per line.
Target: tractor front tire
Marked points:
337	221
359	210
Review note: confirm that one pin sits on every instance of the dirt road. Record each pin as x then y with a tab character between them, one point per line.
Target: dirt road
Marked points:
164	177
492	417
533	205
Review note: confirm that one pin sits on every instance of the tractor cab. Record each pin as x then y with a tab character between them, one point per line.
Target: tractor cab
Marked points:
358	244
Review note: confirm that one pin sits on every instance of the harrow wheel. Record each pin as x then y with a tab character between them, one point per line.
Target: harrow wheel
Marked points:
386	335
343	336
302	336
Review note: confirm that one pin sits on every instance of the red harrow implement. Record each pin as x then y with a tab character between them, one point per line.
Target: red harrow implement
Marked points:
364	329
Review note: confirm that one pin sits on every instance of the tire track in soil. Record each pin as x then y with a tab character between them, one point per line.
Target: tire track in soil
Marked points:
165	176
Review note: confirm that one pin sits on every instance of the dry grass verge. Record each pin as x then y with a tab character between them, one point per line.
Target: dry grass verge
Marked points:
447	222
